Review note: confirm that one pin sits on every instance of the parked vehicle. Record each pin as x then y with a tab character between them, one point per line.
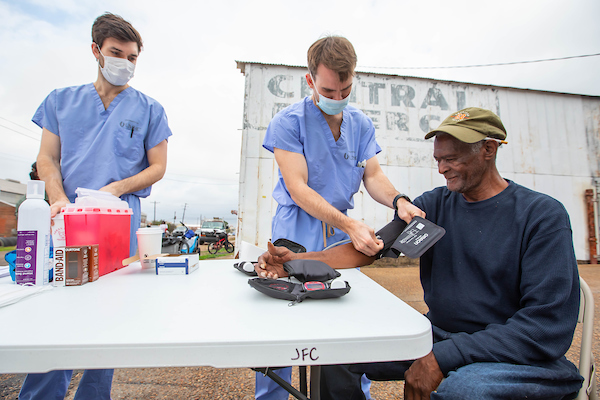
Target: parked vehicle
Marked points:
210	231
180	230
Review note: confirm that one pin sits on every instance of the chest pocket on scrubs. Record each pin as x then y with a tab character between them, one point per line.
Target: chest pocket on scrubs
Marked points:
129	142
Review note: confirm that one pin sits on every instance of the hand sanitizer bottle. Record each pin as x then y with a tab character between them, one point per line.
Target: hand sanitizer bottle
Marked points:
33	237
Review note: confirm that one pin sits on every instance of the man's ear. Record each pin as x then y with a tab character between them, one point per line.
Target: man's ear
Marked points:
309	80
95	51
490	148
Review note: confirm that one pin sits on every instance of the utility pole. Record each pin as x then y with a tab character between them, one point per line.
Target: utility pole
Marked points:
183	218
155	210
175	217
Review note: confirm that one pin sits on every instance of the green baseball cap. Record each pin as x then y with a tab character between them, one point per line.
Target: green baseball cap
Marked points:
471	125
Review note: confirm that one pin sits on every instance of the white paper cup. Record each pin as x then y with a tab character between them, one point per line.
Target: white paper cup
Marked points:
149	244
249	252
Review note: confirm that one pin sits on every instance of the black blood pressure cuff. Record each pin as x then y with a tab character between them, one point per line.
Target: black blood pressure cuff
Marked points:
313	276
297	292
292	246
412	240
388	234
310	270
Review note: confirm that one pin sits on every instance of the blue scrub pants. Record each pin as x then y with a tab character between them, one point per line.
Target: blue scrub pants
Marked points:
95	384
267	389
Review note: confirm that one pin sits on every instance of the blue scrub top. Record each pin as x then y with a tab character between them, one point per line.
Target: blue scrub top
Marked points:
333	166
101	146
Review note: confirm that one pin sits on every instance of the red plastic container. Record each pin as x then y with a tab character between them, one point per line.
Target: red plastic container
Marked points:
108	227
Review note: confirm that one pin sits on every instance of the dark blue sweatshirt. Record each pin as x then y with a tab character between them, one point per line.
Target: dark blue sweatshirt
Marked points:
503	280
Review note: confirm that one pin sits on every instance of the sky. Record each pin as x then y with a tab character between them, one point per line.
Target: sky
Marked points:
188	65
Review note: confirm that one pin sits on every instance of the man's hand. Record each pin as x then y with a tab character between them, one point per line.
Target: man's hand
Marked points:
364	239
112	188
270	263
422	378
407	211
57	205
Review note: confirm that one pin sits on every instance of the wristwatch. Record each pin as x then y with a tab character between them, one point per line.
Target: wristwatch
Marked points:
400	196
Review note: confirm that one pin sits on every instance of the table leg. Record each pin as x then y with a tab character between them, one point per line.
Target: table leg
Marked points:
315	382
302	379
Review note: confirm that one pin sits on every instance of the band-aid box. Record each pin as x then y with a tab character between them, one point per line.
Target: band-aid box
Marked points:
71	265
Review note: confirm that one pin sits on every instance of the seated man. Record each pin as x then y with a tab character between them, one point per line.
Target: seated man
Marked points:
501	286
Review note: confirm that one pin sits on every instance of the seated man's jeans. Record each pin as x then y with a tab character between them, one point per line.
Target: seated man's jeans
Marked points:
556	380
53	385
559	379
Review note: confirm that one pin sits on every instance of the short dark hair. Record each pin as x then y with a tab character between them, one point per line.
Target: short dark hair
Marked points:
109	25
334	52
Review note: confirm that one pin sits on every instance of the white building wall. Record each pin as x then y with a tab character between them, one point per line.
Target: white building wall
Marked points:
553	140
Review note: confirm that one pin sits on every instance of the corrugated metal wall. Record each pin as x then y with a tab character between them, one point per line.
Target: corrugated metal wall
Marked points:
553	140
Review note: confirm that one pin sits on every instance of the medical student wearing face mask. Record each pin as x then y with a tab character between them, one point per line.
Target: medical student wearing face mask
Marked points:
106	136
324	149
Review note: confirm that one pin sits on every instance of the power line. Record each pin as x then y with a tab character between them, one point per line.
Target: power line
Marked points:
20	126
20	133
489	65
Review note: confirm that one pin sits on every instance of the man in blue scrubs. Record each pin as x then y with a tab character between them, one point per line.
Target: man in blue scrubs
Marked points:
106	136
324	149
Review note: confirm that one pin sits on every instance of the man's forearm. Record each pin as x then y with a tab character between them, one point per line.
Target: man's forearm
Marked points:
315	205
49	172
339	257
140	181
381	189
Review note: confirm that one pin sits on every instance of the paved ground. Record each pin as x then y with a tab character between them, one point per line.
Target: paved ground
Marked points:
211	383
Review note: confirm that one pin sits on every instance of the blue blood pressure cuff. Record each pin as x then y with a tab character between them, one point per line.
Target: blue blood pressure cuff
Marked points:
315	282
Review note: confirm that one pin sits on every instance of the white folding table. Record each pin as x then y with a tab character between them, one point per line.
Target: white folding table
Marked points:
133	318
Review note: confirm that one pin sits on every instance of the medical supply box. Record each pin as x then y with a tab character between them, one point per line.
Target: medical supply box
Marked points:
103	219
184	264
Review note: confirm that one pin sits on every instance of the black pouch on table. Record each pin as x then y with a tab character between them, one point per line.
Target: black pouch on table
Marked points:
296	292
314	276
246	267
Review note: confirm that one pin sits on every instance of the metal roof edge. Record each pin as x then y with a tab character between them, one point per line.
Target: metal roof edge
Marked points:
241	66
8	204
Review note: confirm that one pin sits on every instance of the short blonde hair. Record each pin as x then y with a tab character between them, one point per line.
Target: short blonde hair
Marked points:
335	53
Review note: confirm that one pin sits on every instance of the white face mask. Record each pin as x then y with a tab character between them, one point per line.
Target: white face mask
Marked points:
117	71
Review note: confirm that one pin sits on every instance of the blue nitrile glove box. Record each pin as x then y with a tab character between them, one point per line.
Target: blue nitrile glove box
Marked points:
184	264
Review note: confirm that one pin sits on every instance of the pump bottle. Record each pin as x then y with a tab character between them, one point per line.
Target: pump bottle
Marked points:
33	237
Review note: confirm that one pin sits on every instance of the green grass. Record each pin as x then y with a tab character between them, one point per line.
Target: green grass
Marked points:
10	248
207	256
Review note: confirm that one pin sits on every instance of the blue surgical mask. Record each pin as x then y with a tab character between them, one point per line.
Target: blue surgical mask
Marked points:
330	106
